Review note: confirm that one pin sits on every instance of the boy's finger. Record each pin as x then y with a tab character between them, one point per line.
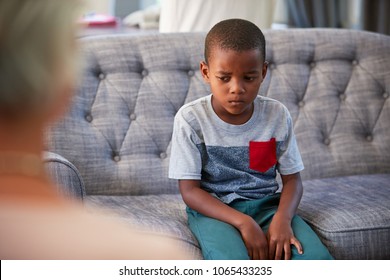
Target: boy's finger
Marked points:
287	251
264	254
271	250
279	252
297	245
256	254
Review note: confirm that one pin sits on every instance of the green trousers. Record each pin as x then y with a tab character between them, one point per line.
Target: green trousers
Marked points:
221	241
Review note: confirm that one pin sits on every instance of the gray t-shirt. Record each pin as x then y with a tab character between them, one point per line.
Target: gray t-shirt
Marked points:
234	161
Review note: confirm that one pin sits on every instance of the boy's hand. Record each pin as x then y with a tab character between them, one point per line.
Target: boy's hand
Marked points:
254	239
280	234
280	238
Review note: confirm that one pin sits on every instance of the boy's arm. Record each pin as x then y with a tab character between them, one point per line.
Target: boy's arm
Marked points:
280	234
204	203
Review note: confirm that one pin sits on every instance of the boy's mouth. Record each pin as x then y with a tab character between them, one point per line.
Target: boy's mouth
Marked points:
236	102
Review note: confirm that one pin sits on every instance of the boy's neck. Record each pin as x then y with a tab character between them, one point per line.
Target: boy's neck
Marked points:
233	119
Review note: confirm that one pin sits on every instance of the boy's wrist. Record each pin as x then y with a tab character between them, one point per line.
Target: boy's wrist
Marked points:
283	217
241	221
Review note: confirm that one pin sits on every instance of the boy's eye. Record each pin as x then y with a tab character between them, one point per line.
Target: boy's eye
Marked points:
223	78
250	78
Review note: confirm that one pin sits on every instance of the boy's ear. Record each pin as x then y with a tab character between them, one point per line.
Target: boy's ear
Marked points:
265	68
204	69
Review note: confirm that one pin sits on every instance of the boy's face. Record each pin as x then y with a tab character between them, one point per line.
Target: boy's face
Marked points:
235	79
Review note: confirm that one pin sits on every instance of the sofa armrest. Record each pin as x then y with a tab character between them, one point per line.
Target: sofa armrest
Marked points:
65	175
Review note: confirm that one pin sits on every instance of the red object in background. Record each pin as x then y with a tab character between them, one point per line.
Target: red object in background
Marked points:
98	20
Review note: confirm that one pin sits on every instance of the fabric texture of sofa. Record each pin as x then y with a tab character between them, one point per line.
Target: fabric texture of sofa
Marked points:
112	148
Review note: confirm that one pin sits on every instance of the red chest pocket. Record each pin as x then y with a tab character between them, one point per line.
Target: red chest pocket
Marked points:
262	155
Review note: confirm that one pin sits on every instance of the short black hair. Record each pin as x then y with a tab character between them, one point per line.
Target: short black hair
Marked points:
234	34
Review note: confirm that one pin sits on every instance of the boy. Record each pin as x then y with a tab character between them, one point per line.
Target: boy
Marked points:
226	148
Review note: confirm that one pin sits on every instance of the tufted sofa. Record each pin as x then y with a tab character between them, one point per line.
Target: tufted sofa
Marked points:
112	148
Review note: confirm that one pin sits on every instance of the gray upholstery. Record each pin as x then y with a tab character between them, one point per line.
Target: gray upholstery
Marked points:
336	84
164	214
68	180
351	214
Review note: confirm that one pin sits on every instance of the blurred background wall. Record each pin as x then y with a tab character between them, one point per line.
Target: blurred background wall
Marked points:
372	15
200	15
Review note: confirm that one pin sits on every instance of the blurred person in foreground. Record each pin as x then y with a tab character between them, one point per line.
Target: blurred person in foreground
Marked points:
38	54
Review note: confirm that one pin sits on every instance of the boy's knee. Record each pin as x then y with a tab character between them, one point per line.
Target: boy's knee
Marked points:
313	248
218	240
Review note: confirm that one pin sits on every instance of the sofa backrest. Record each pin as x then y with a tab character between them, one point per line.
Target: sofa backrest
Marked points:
336	84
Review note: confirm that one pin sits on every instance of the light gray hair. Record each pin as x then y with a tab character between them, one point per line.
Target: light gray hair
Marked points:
37	52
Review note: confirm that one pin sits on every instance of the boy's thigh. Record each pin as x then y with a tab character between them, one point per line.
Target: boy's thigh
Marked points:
217	240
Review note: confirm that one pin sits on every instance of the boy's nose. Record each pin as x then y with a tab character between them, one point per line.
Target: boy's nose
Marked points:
237	87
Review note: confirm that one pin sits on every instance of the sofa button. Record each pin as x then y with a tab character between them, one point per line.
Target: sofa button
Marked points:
163	155
144	72
191	73
272	66
369	138
102	76
133	117
312	64
116	158
301	104
385	95
355	62
327	141
343	97
88	118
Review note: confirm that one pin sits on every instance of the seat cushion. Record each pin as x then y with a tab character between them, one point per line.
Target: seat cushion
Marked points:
164	214
350	214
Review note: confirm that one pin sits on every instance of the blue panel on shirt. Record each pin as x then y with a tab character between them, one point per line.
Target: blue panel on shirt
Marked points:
226	173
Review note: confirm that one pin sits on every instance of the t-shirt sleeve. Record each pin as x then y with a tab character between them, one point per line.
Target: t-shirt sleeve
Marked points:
185	160
289	157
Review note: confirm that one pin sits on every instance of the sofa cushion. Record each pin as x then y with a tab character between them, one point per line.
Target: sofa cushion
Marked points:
164	214
350	214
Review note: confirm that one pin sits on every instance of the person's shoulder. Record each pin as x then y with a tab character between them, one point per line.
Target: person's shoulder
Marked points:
193	108
194	104
270	102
